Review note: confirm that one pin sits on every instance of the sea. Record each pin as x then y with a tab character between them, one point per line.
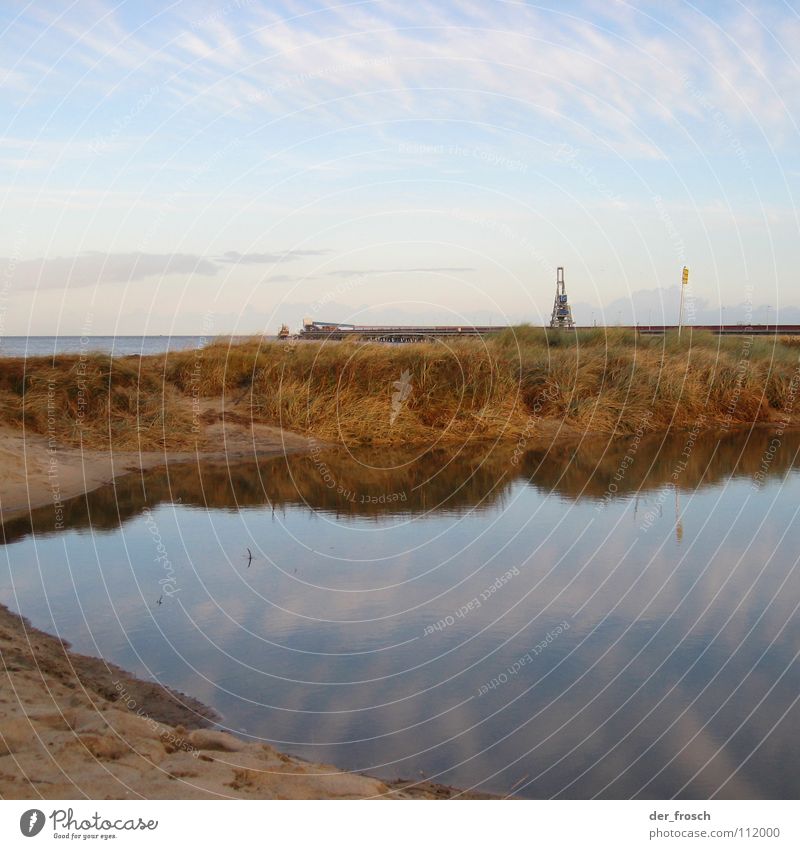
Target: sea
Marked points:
118	346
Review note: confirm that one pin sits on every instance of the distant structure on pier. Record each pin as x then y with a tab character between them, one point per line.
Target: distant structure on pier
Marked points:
562	311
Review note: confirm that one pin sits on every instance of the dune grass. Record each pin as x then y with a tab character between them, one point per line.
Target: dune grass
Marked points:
511	386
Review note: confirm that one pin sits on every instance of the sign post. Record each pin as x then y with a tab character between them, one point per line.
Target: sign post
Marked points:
684	283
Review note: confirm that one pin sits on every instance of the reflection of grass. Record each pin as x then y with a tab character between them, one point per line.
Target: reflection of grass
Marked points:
602	380
658	460
474	477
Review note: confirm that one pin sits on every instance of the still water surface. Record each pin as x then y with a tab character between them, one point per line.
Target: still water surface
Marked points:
617	619
119	346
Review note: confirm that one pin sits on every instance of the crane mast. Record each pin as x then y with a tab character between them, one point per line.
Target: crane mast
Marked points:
562	311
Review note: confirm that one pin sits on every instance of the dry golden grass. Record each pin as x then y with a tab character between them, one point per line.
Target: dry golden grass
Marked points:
603	380
96	401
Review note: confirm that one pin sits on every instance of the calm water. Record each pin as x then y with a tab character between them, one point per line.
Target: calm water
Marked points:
616	620
43	346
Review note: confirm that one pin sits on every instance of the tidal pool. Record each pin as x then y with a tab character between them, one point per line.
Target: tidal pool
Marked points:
616	618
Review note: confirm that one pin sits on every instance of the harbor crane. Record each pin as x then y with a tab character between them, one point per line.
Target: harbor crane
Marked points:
562	311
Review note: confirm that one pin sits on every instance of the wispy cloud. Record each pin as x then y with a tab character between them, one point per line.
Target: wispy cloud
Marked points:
361	272
233	257
92	269
611	73
96	268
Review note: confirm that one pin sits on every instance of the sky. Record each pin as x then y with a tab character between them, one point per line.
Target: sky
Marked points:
225	167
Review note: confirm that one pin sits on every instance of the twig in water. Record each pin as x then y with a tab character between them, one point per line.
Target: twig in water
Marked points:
516	784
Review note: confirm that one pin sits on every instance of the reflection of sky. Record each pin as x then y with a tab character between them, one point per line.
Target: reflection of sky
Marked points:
320	642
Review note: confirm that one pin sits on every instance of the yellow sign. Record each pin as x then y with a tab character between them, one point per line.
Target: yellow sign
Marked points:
685	275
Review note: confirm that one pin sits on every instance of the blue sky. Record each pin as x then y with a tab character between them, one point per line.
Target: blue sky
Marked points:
224	167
